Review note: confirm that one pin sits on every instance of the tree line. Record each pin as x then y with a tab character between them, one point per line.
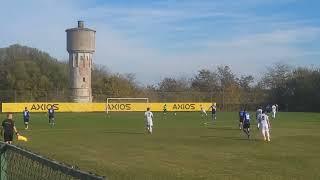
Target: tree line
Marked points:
28	74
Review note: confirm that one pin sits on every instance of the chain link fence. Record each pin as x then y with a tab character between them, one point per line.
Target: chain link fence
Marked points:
17	163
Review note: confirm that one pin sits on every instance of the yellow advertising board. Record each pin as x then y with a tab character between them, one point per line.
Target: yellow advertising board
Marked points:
59	107
179	106
102	107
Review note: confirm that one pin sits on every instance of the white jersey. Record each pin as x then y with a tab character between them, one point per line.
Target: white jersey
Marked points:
264	120
259	119
148	117
259	112
274	108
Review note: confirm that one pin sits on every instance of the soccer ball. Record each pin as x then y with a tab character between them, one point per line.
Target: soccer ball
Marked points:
175	114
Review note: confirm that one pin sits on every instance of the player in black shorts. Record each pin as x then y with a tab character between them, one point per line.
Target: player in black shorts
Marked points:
51	116
164	111
241	115
213	109
246	123
26	117
8	128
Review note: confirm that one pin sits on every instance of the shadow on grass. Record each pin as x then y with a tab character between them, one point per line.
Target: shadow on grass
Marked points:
123	132
224	128
230	138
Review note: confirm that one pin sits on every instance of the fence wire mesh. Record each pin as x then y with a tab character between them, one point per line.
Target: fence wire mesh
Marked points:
20	164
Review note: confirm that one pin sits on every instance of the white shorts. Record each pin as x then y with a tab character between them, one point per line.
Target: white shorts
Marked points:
149	122
264	128
204	112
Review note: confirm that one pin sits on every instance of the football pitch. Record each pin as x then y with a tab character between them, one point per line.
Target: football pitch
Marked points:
181	147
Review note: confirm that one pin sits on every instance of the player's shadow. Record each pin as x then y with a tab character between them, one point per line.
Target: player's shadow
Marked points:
223	128
122	132
229	138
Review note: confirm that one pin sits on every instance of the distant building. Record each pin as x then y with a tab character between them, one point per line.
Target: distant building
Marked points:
81	46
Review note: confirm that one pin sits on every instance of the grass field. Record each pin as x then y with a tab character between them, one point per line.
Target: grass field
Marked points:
182	147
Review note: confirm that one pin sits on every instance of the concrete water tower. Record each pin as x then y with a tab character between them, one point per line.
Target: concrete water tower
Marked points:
81	46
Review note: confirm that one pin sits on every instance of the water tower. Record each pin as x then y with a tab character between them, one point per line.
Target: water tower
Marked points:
80	46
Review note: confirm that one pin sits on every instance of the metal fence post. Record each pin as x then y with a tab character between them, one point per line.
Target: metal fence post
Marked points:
3	163
223	98
15	96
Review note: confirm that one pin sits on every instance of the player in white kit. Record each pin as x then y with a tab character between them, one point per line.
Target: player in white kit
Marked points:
203	111
258	114
148	115
274	111
265	125
204	114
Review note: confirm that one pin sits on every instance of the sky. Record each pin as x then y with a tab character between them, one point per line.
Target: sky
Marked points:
155	39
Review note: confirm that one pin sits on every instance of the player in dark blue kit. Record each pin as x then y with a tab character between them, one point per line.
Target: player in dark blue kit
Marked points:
241	114
51	116
26	117
246	123
213	111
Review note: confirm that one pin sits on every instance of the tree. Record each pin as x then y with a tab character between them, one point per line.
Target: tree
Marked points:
276	81
229	86
169	85
245	82
302	90
226	77
205	81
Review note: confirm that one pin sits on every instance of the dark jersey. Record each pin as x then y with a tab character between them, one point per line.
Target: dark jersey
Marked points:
268	108
26	114
213	109
164	108
241	114
246	117
51	113
8	125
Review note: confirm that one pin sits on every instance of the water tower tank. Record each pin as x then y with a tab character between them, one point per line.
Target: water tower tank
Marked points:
81	46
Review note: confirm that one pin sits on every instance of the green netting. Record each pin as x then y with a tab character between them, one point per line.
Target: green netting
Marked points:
17	163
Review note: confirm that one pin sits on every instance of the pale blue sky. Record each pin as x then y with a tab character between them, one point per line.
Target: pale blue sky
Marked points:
159	38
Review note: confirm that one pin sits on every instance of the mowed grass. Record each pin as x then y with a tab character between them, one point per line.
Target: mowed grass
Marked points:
181	147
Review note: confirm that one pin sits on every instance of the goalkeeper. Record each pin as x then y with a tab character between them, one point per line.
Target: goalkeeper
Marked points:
164	111
8	128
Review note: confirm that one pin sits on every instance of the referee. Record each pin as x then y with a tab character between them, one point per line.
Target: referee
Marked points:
8	128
